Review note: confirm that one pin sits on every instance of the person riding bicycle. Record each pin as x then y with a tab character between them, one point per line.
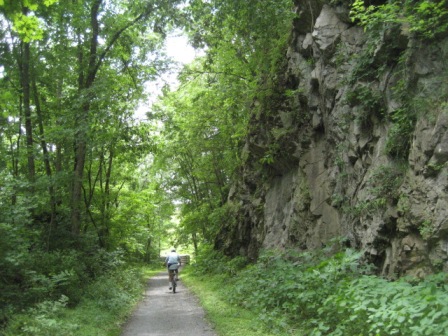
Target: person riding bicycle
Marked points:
172	262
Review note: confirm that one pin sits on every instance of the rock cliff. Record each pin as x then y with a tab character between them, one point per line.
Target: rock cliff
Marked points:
352	144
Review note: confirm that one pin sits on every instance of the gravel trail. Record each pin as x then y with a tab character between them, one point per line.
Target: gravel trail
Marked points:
162	313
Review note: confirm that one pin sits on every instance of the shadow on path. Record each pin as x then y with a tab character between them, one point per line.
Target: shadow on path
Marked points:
163	313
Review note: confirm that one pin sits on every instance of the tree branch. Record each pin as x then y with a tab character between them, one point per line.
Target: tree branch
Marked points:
215	73
117	35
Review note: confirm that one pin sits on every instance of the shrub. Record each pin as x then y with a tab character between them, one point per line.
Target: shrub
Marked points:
42	319
370	305
288	288
332	292
107	299
48	275
211	261
400	135
115	290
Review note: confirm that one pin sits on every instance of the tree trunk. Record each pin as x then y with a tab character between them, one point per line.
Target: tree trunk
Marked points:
85	83
46	157
83	120
80	158
194	237
25	82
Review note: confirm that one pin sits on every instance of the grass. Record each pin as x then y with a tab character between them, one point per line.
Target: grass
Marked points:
226	318
92	319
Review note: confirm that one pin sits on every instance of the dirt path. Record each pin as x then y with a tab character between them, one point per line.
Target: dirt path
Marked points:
163	313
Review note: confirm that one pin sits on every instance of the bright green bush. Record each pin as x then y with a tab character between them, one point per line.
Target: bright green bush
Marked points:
45	280
423	18
211	261
327	292
104	304
42	319
113	291
50	275
370	305
287	289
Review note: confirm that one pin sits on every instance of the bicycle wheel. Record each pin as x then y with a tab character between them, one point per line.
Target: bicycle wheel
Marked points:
174	285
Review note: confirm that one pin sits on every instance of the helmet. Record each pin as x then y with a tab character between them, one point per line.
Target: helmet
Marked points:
173	250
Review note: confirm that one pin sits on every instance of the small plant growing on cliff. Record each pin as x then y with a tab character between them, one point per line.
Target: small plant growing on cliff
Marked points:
424	18
426	229
269	156
403	205
433	169
293	93
387	180
400	134
384	189
369	99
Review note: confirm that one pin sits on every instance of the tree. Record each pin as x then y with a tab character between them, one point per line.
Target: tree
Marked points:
73	74
205	120
86	79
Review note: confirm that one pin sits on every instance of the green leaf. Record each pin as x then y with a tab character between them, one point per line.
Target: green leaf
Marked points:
28	27
49	2
30	4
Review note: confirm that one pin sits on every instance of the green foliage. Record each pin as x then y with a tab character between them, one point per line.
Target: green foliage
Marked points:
200	126
210	261
387	179
17	237
27	26
43	319
112	291
54	274
426	229
203	123
41	276
226	214
373	17
239	29
269	156
383	188
103	306
287	289
370	100
327	292
400	134
41	257
424	18
433	169
227	319
373	306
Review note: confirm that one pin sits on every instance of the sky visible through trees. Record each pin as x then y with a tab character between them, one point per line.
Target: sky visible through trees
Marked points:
178	48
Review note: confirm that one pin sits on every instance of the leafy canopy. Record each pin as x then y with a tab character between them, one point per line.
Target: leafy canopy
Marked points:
423	18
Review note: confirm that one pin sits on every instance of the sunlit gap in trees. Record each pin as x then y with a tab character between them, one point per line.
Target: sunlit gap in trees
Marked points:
180	52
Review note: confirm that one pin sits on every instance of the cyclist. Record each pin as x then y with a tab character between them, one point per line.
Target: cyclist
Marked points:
172	262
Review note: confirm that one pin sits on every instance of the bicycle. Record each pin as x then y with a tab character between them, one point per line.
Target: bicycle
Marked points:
173	280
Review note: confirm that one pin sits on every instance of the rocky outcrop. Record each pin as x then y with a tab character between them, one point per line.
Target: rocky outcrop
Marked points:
357	141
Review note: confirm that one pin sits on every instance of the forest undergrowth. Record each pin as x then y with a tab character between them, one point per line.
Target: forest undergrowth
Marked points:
317	293
62	300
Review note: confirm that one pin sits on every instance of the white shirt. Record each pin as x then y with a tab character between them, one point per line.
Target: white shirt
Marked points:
173	258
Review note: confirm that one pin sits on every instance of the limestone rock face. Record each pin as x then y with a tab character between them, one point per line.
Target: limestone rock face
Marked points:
363	148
